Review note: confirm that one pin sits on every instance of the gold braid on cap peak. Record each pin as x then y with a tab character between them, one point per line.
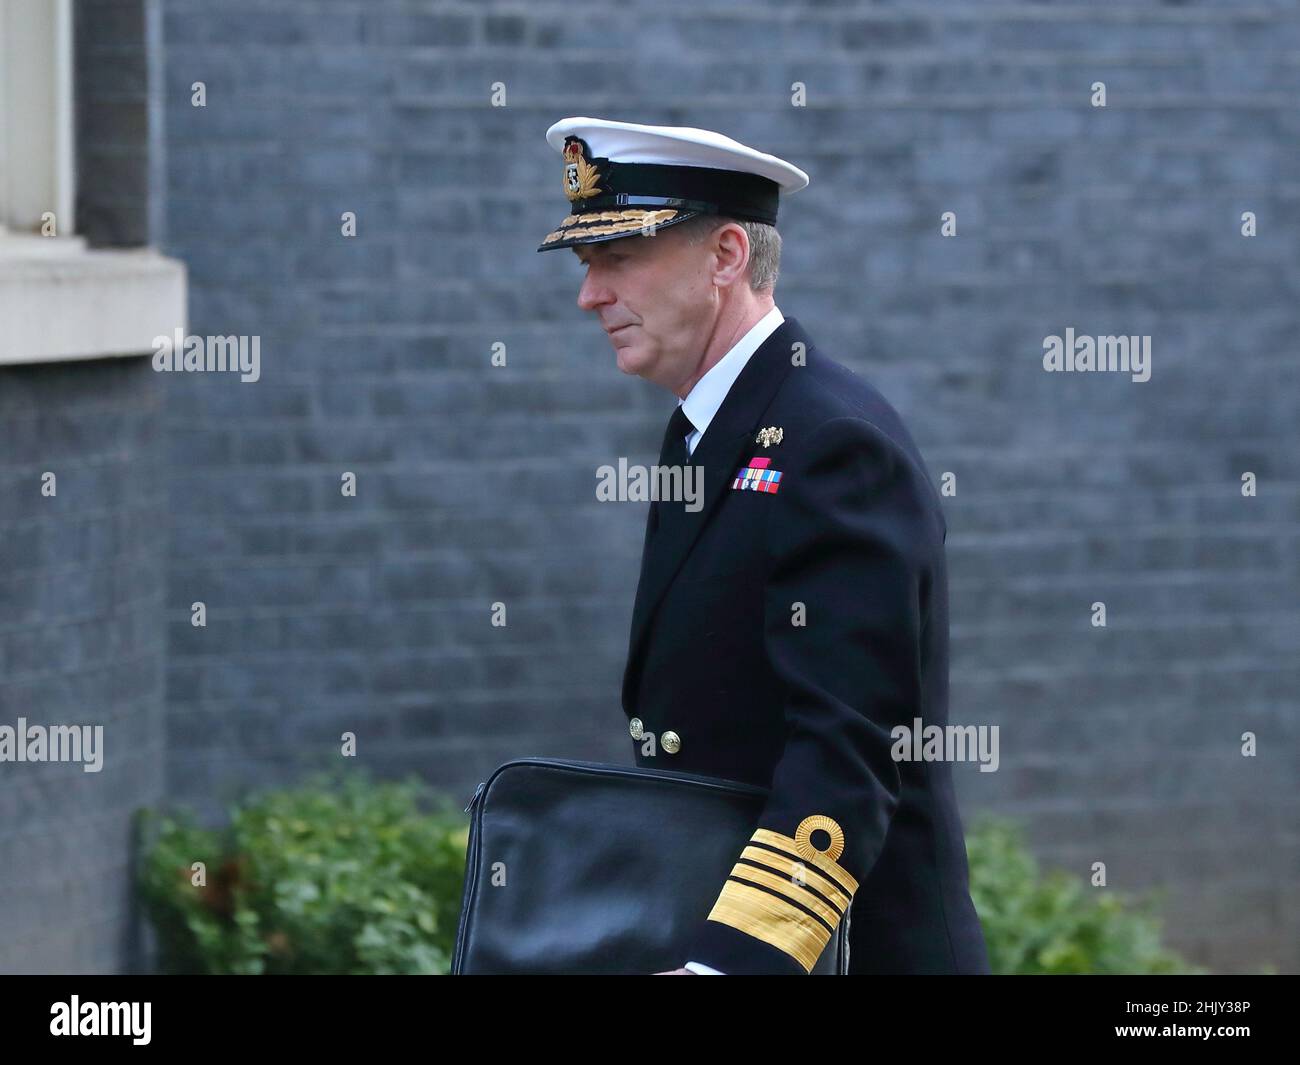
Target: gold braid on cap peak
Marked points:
773	895
620	222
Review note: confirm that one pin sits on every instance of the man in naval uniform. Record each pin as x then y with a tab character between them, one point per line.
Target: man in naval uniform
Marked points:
785	626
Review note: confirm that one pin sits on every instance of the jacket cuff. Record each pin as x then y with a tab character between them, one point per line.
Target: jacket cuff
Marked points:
780	905
738	954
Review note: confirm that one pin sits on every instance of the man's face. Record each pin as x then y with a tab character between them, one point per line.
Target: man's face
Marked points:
654	297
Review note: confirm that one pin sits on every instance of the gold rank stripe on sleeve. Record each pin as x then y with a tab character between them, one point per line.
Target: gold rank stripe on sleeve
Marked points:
831	868
790	890
794	908
772	919
795	871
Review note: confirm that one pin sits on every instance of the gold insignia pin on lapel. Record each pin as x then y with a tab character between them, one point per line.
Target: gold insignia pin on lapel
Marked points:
769	436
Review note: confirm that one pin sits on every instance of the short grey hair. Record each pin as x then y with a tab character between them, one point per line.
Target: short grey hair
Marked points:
764	245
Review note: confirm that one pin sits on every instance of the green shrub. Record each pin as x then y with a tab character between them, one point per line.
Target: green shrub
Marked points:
330	877
356	877
1057	923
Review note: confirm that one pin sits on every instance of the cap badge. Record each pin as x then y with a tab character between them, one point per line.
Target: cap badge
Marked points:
581	174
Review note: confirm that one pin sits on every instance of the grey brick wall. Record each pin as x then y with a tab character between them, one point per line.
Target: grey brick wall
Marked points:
121	162
81	643
476	484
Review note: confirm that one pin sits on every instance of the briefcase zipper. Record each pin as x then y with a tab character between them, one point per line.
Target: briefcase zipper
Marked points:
734	786
615	770
471	877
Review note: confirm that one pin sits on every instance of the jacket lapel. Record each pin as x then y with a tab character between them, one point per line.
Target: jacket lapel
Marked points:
719	452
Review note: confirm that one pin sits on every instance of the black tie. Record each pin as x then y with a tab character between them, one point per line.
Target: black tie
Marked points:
673	452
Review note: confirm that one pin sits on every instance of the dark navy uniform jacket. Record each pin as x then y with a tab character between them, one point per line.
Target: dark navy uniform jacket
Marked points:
851	544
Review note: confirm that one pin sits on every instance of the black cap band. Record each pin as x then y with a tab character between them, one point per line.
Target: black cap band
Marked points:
749	197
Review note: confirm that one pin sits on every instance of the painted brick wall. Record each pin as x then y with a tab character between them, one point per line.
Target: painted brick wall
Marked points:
82	625
82	642
121	162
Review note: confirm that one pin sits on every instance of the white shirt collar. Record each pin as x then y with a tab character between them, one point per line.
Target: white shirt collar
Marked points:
703	401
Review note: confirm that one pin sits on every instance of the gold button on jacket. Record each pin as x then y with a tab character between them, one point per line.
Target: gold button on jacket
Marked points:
635	728
671	742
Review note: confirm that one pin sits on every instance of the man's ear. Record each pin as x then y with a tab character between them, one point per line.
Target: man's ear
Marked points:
733	245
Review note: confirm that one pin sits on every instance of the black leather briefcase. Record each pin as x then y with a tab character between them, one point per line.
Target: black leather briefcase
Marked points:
584	868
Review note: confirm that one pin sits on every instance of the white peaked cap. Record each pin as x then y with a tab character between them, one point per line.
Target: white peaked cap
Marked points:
630	142
624	177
